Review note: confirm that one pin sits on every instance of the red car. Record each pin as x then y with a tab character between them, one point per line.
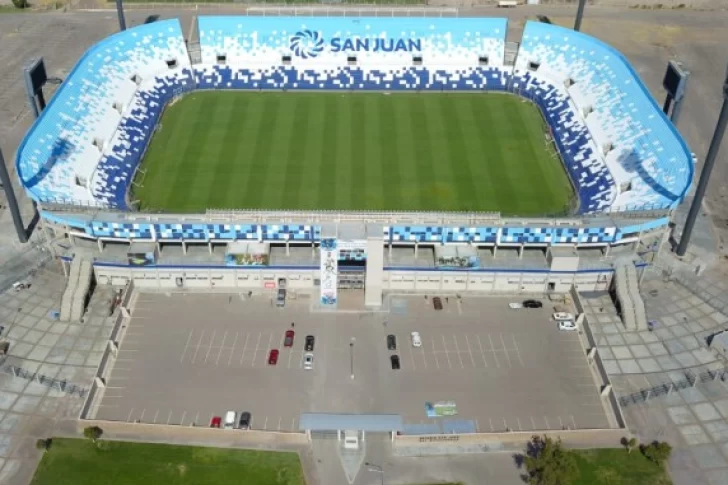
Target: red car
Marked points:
215	422
288	341
273	357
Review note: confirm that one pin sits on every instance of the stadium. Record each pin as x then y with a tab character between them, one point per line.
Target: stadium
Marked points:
383	154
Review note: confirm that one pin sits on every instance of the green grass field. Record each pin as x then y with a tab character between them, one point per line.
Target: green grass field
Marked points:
80	462
617	467
361	151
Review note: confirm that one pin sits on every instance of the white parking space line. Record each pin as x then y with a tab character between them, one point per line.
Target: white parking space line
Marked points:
128	418
573	421
245	347
232	351
197	417
470	351
290	357
279	423
561	423
520	428
424	359
508	357
222	346
457	349
492	349
434	352
533	423
142	416
197	349
477	426
265	424
181	421
412	357
490	422
518	352
293	424
189	337
255	353
482	353
267	350
209	348
444	345
155	417
548	426
505	424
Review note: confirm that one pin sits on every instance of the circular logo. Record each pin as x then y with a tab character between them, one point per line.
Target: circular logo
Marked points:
307	43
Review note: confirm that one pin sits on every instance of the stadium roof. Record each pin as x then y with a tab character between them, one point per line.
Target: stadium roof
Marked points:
364	422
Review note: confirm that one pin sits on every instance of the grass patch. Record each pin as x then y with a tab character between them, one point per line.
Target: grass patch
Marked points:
617	467
360	151
81	462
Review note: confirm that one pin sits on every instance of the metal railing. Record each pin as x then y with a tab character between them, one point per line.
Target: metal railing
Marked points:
666	388
60	384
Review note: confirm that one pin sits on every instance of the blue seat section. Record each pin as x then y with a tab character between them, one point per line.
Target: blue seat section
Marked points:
648	158
116	169
593	181
352	78
58	157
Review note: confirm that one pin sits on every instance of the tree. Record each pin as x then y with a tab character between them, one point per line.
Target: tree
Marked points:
628	443
43	444
20	3
657	452
93	433
548	463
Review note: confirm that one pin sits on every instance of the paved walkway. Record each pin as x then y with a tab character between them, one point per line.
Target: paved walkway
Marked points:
41	345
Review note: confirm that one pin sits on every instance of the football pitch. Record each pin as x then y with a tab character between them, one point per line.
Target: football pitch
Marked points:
352	151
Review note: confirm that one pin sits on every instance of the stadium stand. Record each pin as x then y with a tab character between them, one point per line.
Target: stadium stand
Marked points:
620	151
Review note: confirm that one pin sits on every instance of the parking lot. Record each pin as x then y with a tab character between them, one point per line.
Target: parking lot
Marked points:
187	358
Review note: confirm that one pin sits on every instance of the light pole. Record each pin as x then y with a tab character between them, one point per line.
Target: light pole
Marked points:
720	129
579	15
376	469
351	355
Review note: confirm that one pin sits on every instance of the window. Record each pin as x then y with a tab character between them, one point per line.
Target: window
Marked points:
483	60
136	79
286	60
221	59
171	63
351	60
533	66
417	60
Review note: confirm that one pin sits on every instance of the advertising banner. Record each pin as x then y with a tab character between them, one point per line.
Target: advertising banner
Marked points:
329	271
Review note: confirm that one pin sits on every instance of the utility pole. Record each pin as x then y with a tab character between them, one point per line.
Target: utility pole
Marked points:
705	174
7	184
120	14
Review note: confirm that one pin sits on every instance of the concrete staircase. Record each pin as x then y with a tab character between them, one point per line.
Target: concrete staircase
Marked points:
630	300
73	302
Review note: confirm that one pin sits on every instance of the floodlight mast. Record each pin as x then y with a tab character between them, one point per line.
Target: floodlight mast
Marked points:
705	174
579	15
120	14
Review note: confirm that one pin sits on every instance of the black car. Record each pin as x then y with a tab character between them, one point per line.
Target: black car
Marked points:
391	342
532	304
395	362
244	420
309	343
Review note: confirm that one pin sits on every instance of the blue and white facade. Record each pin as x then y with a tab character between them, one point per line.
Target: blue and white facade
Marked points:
619	149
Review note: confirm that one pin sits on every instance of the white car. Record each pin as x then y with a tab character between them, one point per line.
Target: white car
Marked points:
230	420
515	306
416	340
558	316
308	361
568	325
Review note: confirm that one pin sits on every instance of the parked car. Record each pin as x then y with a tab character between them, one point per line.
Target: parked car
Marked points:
395	362
288	339
391	342
281	298
416	340
308	361
568	325
532	304
273	357
310	340
244	420
437	302
230	420
558	316
215	422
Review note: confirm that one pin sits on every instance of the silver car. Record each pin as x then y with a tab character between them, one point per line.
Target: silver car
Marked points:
308	361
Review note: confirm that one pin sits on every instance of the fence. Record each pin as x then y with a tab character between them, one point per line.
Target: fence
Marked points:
666	388
60	384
